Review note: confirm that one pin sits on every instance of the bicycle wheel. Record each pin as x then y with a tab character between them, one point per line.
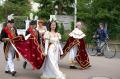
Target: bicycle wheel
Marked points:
109	52
92	51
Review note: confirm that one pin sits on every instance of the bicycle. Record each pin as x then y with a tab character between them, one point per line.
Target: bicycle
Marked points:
106	50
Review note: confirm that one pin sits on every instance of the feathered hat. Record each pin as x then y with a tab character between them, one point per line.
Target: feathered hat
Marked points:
10	18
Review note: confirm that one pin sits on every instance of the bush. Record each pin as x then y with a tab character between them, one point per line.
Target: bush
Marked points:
63	32
72	25
61	29
64	37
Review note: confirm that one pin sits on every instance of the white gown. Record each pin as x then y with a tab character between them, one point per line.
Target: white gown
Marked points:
53	51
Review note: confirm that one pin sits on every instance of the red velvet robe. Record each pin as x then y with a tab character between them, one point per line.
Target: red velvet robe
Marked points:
29	49
82	56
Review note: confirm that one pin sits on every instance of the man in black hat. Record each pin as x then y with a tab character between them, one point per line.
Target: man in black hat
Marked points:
8	33
32	30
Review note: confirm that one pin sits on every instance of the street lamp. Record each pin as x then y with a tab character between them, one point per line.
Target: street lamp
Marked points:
75	13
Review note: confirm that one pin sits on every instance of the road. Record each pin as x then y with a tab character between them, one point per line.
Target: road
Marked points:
101	67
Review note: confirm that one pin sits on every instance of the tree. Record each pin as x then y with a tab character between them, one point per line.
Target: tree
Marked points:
1	13
48	7
94	11
17	7
108	11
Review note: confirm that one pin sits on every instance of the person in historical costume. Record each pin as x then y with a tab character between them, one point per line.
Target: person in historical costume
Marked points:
53	51
30	50
41	29
32	30
8	33
75	45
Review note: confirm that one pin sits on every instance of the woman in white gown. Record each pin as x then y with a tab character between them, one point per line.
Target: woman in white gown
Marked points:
52	51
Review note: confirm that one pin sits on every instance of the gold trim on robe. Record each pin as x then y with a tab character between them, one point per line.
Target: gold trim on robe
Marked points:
76	39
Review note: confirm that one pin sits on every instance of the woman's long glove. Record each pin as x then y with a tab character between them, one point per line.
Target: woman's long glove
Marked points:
46	46
60	48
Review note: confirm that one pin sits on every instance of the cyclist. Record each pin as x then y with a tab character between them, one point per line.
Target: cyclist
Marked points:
101	36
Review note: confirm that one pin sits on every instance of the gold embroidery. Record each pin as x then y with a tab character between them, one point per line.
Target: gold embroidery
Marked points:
85	63
12	30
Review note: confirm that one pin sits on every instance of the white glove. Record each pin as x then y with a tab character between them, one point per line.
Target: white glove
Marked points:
61	52
46	46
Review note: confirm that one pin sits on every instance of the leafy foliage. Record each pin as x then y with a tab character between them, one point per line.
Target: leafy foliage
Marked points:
20	22
63	32
91	12
17	7
48	7
94	11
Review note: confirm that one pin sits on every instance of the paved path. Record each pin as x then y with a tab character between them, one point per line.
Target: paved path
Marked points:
100	67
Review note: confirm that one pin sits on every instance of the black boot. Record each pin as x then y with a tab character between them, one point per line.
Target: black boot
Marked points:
73	67
7	72
24	65
13	73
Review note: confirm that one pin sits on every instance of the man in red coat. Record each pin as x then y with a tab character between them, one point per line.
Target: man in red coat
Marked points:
9	32
32	30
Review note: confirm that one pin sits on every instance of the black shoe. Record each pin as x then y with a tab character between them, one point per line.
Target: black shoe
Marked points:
89	66
24	65
7	72
73	67
13	73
